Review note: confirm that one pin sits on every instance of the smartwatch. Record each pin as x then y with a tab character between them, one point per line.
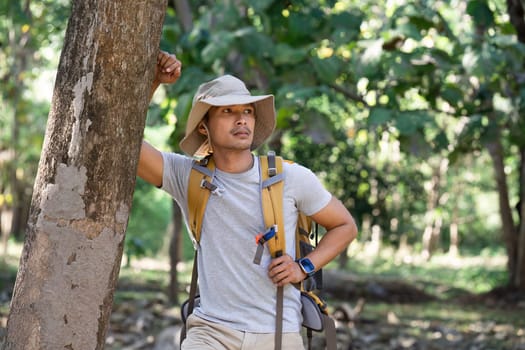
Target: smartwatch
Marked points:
307	266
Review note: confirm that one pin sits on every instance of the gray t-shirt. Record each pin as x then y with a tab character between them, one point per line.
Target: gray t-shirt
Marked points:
234	291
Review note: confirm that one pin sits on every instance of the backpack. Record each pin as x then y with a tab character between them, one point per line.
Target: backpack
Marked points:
314	309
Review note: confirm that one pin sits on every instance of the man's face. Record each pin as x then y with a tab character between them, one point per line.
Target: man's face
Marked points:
231	127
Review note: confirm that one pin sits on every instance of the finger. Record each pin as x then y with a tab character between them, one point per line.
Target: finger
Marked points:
280	260
172	65
281	278
164	58
273	264
274	271
283	273
161	56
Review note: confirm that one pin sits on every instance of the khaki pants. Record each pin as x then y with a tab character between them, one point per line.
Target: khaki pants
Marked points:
205	335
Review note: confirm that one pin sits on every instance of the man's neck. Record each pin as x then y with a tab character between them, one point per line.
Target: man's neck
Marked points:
233	162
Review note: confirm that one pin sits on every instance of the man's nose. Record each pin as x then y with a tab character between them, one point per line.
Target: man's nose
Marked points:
241	119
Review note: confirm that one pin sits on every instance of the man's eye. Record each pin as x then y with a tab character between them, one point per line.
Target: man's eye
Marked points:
226	110
248	111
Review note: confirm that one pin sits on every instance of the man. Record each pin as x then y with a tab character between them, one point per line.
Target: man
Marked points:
237	297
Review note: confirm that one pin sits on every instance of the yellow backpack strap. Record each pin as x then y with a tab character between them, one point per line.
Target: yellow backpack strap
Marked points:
302	233
272	187
200	186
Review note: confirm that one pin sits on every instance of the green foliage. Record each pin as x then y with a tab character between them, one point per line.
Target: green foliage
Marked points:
134	248
150	215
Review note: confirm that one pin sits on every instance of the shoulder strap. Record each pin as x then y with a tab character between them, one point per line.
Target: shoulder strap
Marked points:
200	185
272	185
199	188
271	169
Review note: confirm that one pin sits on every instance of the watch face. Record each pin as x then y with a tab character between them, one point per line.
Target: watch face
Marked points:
307	265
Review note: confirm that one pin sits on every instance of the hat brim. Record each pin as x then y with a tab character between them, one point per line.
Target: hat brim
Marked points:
264	122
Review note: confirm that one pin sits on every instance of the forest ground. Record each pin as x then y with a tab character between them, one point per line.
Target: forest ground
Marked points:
374	309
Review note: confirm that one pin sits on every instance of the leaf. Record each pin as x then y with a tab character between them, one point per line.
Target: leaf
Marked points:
294	95
283	116
410	30
317	128
380	116
481	13
469	137
285	54
347	21
255	43
218	47
440	142
259	5
452	94
414	144
327	69
410	122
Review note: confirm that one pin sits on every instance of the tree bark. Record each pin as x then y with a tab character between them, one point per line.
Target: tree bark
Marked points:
516	12
83	190
453	249
509	232
517	17
182	7
175	252
433	222
519	280
22	52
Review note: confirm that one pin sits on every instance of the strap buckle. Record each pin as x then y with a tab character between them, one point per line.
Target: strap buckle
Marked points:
214	189
208	185
272	170
260	239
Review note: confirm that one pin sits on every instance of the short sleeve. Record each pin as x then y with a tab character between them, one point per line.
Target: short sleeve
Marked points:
175	175
309	193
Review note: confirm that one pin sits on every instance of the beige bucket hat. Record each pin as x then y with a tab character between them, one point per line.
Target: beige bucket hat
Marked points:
225	91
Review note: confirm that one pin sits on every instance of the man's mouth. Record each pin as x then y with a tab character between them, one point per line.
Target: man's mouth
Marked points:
241	132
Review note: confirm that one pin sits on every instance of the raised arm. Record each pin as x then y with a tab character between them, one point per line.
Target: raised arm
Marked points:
150	167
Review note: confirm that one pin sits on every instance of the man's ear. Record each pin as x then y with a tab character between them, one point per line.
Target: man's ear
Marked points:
202	128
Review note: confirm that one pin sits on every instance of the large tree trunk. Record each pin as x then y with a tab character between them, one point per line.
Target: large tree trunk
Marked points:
82	195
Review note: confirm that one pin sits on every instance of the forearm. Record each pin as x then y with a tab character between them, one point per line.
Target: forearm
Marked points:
150	167
333	243
151	164
340	231
154	87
